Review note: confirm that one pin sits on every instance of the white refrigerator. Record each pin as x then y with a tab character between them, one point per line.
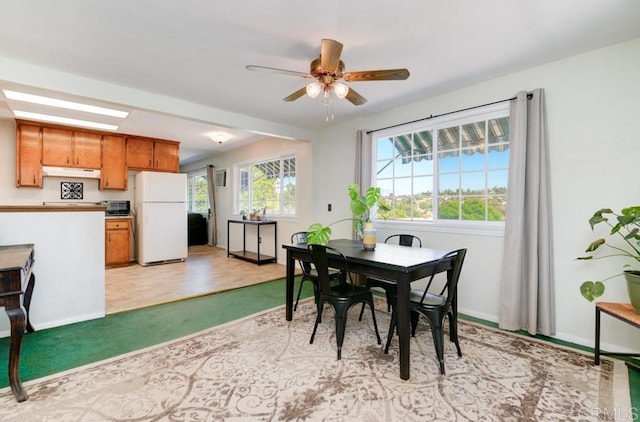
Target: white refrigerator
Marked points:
161	217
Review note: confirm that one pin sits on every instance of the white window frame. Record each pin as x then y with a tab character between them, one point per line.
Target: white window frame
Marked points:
490	228
238	185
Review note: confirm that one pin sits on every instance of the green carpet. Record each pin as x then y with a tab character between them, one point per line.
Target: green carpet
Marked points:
57	349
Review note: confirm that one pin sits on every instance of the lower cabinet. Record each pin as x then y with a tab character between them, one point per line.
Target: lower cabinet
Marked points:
117	241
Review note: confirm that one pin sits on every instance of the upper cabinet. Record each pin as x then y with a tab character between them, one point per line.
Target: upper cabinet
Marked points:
68	148
28	156
38	145
113	174
153	154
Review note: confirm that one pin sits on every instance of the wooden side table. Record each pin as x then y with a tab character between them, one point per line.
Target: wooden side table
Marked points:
16	279
622	311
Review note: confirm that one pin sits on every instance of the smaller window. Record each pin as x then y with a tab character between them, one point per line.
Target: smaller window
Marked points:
197	192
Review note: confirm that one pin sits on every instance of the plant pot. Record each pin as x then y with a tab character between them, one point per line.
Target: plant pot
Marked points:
369	237
633	287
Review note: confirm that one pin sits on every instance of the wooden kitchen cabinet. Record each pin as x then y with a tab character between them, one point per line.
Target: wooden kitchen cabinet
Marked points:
68	148
28	156
117	241
113	174
152	154
166	156
139	153
87	150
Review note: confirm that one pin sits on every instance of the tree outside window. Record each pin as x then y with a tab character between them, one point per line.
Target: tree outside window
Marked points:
268	185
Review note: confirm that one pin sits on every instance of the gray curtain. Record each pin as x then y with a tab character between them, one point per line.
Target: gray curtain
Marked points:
527	294
211	190
362	175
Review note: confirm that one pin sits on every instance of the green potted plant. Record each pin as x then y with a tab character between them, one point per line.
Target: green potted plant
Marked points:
626	227
361	206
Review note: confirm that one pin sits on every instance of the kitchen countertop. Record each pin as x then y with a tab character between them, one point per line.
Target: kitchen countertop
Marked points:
52	208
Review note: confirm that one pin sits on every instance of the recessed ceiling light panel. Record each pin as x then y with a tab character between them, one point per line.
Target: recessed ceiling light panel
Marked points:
63	120
69	105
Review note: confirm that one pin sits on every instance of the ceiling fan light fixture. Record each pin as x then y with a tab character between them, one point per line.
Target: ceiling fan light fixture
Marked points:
314	89
340	89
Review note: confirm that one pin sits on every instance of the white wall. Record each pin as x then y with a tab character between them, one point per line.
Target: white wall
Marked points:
592	109
270	147
68	264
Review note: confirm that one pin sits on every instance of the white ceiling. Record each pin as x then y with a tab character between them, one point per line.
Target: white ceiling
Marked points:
179	66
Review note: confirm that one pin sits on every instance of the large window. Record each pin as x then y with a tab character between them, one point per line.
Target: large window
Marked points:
197	192
446	170
269	185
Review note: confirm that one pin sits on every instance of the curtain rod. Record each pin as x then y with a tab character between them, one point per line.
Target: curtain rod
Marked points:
369	132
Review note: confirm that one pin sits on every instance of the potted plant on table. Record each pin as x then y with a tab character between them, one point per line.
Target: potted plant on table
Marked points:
626	227
361	206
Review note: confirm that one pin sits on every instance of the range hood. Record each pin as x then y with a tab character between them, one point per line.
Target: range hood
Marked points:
70	172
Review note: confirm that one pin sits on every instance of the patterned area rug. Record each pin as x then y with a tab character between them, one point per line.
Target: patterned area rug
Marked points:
262	368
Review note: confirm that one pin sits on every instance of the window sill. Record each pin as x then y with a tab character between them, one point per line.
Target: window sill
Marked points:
459	227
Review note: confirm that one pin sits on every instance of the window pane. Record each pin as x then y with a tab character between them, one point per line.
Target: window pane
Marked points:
497	208
449	138
384	148
498	130
385	169
498	157
422	197
449	184
473	135
423	143
473	160
402	169
423	165
497	182
473	209
473	183
449	162
448	208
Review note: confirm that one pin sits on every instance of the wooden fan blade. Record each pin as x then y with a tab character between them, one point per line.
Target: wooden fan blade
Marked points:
355	98
377	75
330	52
299	93
276	70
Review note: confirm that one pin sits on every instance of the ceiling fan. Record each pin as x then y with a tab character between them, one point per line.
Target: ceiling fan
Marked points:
328	70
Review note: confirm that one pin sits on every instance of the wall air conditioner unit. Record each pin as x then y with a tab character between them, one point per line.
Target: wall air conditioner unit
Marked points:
221	179
70	172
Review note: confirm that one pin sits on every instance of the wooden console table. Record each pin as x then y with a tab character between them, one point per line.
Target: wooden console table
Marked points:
622	311
255	257
16	279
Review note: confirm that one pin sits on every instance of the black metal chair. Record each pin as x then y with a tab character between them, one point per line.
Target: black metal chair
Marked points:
390	286
341	297
308	270
435	307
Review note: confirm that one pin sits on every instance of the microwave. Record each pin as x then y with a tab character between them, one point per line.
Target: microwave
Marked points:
115	208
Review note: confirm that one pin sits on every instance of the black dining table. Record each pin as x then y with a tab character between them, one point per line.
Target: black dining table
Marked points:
391	262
